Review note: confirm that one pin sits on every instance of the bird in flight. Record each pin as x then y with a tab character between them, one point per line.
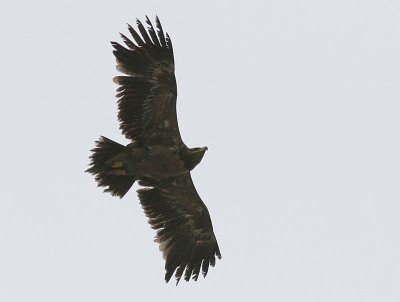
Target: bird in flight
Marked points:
156	158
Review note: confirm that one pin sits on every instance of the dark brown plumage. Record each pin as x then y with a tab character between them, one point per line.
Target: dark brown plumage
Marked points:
157	157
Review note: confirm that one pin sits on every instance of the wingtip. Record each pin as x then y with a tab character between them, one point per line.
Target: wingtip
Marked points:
158	23
218	253
167	276
116	80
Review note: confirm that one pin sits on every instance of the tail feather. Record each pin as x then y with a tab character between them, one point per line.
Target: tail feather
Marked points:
117	185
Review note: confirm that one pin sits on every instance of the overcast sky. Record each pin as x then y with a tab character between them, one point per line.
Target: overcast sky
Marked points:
299	104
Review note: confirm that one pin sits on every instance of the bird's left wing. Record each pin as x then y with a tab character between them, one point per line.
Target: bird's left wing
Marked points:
147	93
184	229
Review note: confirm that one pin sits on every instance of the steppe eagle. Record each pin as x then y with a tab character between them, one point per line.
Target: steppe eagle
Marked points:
156	157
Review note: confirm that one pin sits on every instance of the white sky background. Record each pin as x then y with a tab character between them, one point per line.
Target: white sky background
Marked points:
298	102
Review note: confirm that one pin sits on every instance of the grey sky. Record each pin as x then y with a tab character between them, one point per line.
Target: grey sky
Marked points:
298	102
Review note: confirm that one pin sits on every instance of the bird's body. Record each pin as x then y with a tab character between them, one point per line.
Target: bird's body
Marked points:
157	157
155	162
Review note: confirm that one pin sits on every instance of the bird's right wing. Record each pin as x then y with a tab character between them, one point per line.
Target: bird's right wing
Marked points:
184	229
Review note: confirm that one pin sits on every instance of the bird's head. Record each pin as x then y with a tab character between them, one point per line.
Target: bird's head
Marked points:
194	156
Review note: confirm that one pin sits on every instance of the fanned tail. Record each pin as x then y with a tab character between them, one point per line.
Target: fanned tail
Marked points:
117	185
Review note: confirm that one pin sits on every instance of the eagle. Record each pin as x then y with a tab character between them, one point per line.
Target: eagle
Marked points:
156	158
